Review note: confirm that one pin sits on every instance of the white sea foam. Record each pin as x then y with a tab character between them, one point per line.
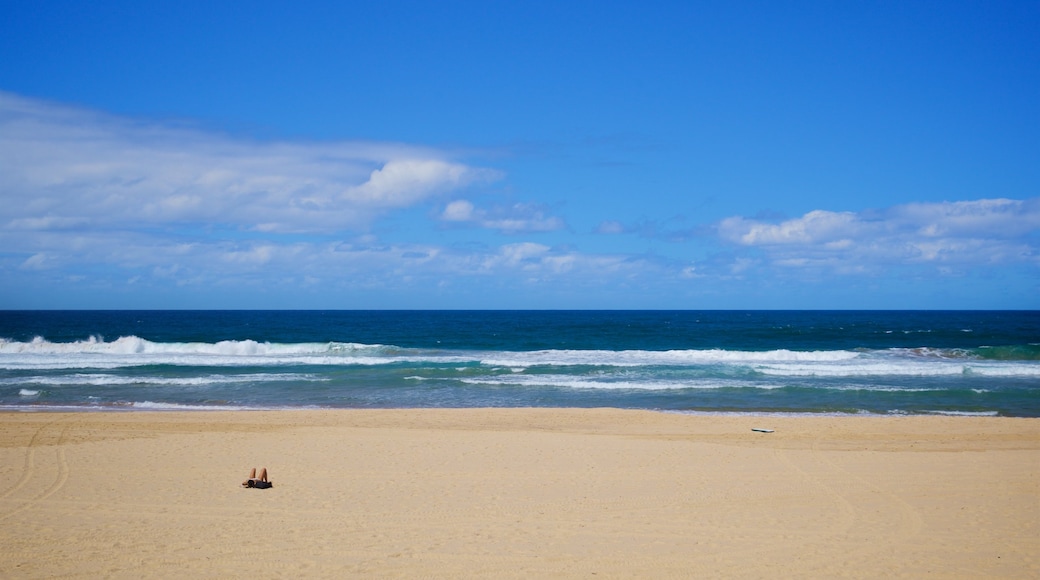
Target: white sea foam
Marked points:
102	380
964	413
133	351
146	406
653	384
930	353
127	345
153	406
28	393
577	382
896	367
634	358
95	353
769	414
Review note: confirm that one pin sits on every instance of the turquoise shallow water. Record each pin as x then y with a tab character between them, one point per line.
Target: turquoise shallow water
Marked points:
911	362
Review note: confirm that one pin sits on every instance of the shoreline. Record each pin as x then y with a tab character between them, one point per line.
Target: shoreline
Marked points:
517	492
177	408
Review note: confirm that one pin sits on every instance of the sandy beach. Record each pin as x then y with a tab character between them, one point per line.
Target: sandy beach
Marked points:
517	493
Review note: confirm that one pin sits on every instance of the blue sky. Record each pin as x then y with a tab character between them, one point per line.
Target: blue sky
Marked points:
520	155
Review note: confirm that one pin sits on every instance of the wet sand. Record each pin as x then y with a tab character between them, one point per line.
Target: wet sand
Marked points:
517	493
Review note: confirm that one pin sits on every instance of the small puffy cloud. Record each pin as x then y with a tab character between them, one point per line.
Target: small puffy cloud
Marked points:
814	227
401	183
514	254
512	219
967	233
458	211
64	168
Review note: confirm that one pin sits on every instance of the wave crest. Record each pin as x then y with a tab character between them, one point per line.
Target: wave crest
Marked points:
129	351
129	345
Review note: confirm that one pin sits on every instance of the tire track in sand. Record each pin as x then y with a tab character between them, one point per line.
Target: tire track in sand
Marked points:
29	467
28	464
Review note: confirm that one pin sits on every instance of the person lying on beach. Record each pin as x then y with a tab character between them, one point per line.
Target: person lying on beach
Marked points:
258	482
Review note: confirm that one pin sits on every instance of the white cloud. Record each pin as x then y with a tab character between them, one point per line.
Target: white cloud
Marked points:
458	211
514	254
512	219
967	233
63	167
403	182
364	263
814	227
987	218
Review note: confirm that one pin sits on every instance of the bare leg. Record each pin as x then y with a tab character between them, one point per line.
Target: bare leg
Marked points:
252	476
263	474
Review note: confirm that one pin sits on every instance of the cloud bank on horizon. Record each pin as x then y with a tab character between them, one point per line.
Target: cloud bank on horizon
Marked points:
984	232
96	198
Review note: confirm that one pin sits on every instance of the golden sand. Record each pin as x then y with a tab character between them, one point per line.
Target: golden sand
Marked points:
517	493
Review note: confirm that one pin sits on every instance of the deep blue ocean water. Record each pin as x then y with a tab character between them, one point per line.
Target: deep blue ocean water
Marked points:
882	362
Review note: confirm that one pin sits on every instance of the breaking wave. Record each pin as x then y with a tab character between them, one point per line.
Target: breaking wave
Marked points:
132	351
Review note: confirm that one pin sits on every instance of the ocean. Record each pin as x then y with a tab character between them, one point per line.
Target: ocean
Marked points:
833	362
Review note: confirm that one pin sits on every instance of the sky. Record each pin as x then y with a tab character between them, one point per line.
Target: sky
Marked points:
521	155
